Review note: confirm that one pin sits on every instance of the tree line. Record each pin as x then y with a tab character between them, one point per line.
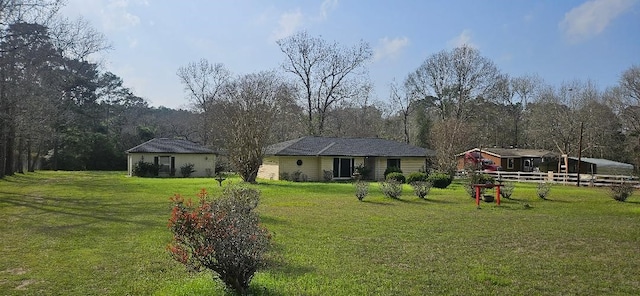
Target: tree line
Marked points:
455	100
59	109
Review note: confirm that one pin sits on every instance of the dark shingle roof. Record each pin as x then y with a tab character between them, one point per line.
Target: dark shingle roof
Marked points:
514	152
517	152
164	145
325	146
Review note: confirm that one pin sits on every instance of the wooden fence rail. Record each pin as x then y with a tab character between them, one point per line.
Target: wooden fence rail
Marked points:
564	178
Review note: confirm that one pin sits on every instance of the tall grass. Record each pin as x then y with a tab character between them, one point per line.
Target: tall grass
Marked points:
87	233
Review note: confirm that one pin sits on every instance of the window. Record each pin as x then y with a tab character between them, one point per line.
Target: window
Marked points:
509	163
393	163
166	164
342	167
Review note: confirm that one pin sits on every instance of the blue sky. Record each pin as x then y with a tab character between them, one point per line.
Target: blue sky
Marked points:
558	40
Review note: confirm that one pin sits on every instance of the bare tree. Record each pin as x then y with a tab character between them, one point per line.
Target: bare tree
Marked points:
402	101
447	146
77	39
204	83
625	99
326	74
251	105
31	11
630	82
451	79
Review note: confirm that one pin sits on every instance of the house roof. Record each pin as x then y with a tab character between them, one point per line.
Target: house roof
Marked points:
165	145
514	152
601	163
362	147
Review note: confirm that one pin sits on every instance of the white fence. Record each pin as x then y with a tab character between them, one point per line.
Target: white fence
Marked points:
564	178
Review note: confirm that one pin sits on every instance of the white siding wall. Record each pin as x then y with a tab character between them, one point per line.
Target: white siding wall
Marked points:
309	166
408	165
201	162
314	167
269	169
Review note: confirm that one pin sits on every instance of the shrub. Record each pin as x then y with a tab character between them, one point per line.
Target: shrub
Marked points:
221	165
222	235
284	176
421	188
621	191
298	176
391	188
416	177
362	189
391	170
327	175
473	177
543	190
396	176
362	171
187	169
507	189
440	180
471	190
145	169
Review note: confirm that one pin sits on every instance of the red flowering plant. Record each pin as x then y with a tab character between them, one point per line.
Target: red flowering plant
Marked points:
222	235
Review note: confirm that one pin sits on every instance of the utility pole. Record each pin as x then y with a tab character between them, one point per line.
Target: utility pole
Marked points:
580	151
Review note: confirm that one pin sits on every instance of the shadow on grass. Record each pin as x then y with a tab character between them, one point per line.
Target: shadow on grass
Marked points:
276	264
272	220
417	201
81	208
256	289
375	202
554	200
440	201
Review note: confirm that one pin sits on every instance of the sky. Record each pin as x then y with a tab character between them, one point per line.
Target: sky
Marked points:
559	40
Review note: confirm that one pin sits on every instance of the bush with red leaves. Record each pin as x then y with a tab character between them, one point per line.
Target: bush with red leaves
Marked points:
222	235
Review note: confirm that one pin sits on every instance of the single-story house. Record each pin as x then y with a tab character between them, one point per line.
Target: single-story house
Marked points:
515	159
170	155
322	158
599	166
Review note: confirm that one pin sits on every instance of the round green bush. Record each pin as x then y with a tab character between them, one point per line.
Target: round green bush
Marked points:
391	170
482	179
440	180
396	176
416	177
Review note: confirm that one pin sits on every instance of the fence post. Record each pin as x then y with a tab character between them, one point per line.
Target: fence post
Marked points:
550	176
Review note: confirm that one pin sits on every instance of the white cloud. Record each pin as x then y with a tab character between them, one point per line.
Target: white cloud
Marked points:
326	6
107	15
389	47
292	21
289	23
527	18
133	42
591	18
463	39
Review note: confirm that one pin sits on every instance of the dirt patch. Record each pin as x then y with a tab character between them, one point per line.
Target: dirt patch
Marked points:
16	271
23	285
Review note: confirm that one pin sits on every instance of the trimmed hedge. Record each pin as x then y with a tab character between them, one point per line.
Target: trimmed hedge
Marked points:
391	170
440	180
417	177
396	176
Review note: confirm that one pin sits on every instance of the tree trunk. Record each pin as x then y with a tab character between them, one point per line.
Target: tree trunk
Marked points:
20	161
9	151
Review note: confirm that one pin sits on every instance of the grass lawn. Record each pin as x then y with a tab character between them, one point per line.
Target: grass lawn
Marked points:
94	233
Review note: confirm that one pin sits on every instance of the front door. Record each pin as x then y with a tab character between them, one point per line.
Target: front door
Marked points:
342	167
370	164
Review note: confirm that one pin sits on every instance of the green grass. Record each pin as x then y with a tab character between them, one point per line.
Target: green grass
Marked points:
88	233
